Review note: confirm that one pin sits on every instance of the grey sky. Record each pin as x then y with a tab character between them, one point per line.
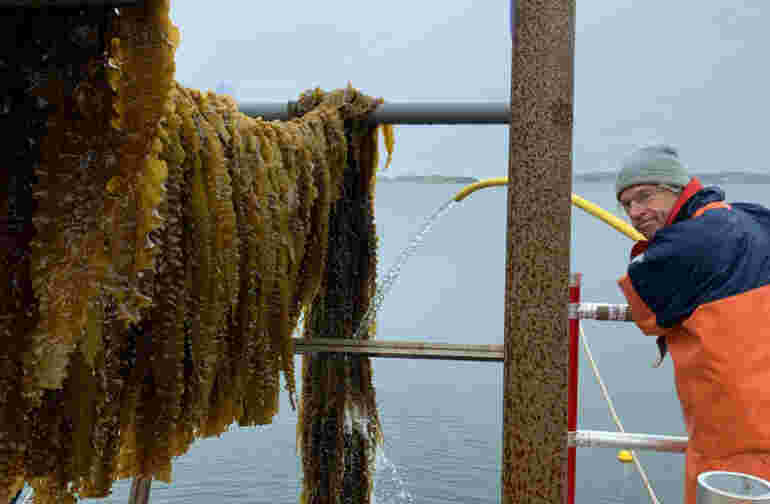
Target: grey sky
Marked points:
688	72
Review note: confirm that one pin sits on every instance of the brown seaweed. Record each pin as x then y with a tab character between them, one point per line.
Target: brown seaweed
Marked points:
171	245
339	429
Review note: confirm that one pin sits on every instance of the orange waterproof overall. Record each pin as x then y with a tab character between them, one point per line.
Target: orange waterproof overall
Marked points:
721	356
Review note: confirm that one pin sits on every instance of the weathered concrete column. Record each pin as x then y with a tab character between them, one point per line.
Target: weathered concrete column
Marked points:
537	261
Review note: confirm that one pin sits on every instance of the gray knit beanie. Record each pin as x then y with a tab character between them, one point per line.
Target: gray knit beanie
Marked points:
656	164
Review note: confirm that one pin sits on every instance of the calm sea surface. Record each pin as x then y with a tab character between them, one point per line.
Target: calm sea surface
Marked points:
443	420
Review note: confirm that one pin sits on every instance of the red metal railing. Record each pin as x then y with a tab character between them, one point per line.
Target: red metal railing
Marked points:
572	384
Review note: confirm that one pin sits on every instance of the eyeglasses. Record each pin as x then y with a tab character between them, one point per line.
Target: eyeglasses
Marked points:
642	198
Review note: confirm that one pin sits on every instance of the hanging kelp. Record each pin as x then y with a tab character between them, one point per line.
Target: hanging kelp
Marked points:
99	184
339	428
86	199
158	248
53	69
243	245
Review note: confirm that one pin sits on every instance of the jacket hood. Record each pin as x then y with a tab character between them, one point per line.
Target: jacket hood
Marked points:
696	201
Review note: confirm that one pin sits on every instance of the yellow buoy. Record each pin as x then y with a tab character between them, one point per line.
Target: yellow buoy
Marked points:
625	456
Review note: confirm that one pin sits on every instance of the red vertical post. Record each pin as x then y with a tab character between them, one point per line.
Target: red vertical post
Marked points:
572	387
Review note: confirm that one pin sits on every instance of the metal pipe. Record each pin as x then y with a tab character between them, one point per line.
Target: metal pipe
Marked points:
442	113
403	113
448	351
603	311
604	439
400	349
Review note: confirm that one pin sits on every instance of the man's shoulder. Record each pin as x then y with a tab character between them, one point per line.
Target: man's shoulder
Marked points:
721	253
694	233
706	243
714	239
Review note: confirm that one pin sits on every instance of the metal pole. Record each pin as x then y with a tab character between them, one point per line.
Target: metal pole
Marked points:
572	386
442	113
403	113
625	440
400	349
602	311
534	458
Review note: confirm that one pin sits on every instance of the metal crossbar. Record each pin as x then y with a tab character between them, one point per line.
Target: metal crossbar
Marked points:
443	351
602	311
401	113
626	440
400	349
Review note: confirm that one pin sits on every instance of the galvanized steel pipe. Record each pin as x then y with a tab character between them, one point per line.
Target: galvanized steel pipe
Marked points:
442	113
603	439
603	311
402	113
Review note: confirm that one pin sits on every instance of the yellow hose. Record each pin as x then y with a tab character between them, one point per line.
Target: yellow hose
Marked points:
582	203
490	182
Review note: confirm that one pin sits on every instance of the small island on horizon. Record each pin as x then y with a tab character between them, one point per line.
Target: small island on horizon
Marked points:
429	179
730	177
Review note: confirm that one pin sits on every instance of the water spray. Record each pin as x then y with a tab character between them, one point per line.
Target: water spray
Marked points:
393	273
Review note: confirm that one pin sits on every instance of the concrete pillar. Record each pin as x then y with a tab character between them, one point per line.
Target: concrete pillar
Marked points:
537	261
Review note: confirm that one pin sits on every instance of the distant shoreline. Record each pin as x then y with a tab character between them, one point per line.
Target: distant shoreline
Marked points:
727	177
428	179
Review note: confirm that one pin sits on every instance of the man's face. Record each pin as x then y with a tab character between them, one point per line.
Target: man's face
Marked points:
648	206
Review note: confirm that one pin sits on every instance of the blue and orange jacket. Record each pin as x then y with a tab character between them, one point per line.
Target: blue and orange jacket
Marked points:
702	285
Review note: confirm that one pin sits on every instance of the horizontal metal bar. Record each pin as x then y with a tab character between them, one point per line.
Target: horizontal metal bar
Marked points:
604	439
602	311
445	351
401	349
443	113
404	113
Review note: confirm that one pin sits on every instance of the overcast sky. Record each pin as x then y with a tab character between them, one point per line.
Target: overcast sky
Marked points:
692	73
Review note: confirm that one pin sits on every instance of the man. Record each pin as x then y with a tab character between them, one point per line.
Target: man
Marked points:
701	283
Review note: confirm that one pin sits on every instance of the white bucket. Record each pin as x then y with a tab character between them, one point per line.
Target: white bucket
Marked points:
723	487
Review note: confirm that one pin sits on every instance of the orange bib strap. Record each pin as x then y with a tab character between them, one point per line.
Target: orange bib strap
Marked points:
711	206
